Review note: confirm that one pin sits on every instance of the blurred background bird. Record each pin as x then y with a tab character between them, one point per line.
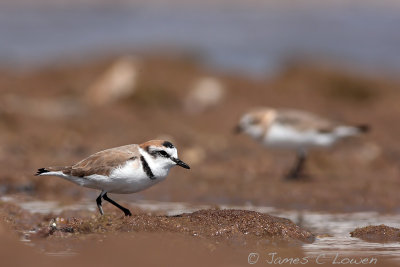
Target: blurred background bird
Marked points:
295	130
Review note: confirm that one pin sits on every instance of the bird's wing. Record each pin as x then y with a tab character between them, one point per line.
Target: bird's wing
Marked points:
305	121
103	162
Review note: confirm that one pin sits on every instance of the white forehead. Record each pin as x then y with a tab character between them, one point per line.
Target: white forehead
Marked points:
247	118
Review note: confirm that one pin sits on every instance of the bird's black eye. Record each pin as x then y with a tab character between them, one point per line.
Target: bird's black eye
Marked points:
163	153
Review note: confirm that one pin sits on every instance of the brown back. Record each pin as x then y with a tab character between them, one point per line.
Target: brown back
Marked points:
101	163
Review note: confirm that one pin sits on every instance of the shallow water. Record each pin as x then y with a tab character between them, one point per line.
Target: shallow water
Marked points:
253	38
332	230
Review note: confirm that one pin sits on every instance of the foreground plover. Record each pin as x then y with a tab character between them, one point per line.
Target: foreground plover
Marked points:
294	130
122	170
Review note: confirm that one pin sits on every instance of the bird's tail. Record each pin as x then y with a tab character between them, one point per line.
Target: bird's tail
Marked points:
363	128
49	171
344	131
41	171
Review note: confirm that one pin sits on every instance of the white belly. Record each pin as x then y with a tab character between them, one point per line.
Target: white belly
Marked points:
120	184
280	136
124	180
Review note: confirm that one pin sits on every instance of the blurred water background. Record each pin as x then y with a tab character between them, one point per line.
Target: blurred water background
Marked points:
255	37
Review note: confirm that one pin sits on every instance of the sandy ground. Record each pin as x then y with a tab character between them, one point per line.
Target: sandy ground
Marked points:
216	237
207	237
377	233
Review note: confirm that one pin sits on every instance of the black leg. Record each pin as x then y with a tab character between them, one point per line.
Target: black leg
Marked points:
98	201
295	173
125	210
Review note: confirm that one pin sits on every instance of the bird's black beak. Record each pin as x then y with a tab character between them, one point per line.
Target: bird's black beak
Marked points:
180	163
238	129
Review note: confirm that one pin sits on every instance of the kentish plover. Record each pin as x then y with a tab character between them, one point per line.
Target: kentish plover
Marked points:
122	170
294	130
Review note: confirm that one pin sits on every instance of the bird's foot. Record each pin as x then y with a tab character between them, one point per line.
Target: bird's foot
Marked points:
127	212
296	176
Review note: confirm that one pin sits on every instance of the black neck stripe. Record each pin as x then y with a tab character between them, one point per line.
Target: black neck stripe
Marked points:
146	168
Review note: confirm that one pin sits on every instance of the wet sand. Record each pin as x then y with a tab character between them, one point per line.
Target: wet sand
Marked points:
213	224
217	237
377	233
